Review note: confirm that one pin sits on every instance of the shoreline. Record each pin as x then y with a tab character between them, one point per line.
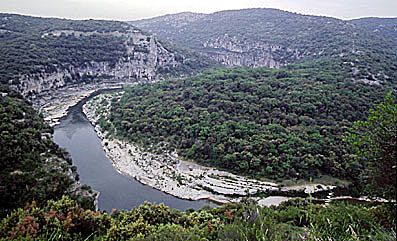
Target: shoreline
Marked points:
218	186
55	104
168	173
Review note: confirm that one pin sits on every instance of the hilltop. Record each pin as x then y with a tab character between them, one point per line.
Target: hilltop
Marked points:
274	38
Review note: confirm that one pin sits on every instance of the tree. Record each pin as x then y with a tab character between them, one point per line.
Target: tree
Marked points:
375	141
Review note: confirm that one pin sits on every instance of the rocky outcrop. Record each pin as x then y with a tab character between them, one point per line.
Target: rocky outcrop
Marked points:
143	56
54	104
243	59
232	51
274	38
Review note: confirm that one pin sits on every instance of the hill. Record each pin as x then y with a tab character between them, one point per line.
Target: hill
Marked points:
384	27
285	123
38	54
273	38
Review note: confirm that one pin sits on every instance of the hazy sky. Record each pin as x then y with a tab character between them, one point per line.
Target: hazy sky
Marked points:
138	9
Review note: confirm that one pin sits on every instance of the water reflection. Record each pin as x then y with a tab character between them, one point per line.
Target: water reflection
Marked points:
77	135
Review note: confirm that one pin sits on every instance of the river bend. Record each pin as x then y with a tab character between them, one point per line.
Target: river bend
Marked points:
76	134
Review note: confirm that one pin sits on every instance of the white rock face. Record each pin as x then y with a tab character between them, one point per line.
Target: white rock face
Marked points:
55	104
233	51
144	56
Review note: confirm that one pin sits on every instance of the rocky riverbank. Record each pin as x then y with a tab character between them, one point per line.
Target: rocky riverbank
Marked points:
55	104
166	171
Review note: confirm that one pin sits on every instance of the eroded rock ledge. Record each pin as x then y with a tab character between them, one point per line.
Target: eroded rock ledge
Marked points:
55	104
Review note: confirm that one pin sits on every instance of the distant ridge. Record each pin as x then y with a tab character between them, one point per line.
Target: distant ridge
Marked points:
273	38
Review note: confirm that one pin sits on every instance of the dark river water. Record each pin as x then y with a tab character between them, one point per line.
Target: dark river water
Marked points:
78	137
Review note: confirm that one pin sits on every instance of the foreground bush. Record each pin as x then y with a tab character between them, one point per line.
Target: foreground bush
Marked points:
293	220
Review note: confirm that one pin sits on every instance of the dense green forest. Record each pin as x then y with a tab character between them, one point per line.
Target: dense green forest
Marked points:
375	141
28	24
23	50
285	123
32	166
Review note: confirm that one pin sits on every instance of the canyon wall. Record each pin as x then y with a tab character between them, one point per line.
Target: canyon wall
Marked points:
143	56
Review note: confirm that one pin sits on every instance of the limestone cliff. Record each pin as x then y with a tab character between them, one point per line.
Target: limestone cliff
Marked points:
143	56
233	51
273	38
40	54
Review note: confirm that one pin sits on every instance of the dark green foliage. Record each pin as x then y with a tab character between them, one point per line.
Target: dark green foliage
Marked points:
283	123
306	221
375	141
65	220
32	166
275	27
62	220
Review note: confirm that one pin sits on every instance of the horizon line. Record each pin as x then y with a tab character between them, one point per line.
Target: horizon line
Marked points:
166	14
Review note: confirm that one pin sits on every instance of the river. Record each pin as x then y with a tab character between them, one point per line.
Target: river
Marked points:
76	134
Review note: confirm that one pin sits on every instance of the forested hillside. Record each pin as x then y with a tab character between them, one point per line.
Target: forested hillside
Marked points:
271	37
43	53
285	123
295	219
279	123
384	27
32	166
